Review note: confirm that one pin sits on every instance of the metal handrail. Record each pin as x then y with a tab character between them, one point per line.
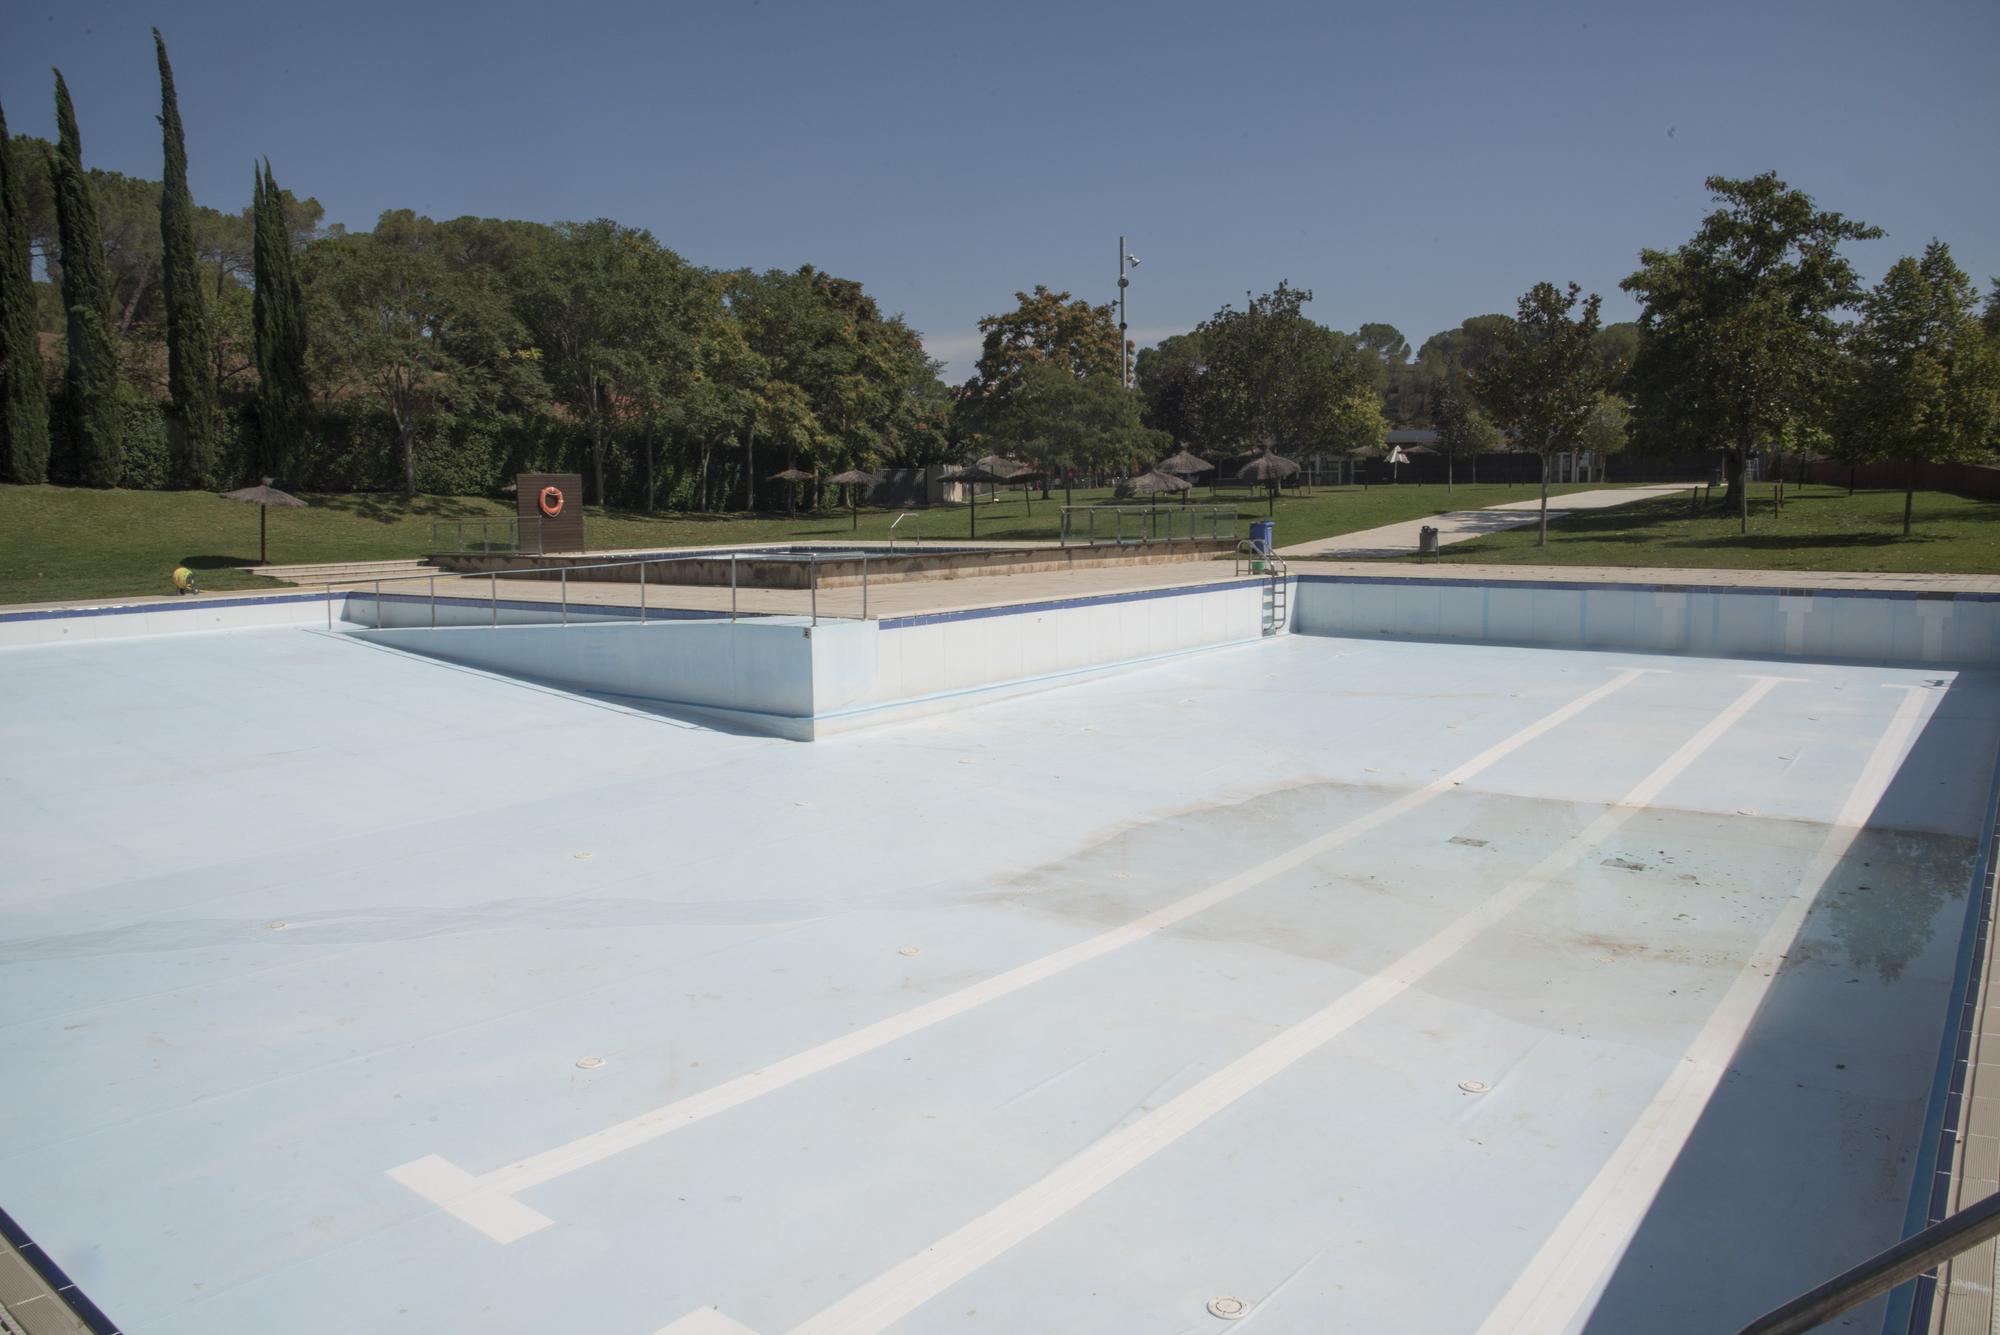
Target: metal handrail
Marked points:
1884	1271
1250	550
562	571
1080	524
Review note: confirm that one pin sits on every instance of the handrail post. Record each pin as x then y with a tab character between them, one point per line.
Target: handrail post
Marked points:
328	590
378	604
434	602
642	593
496	599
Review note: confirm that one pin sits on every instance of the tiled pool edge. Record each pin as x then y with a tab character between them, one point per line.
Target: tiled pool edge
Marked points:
1954	1115
54	1284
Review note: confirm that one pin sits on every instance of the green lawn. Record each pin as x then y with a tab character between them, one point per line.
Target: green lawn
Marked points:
59	542
1820	528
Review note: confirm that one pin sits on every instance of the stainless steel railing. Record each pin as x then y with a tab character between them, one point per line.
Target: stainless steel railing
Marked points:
1120	525
1884	1271
598	611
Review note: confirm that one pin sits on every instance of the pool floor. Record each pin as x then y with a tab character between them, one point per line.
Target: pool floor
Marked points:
1367	986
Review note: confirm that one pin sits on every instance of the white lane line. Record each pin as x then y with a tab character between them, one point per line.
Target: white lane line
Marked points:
1565	1277
486	1200
897	1292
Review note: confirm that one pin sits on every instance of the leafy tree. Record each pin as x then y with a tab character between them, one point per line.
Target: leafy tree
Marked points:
1044	326
90	383
1168	378
190	345
1385	342
1608	428
416	336
1464	432
837	375
1544	377
1737	337
24	403
1273	377
1068	423
1443	363
1617	345
1924	384
598	298
1385	356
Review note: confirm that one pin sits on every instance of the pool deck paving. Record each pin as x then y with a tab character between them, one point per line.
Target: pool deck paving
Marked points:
917	597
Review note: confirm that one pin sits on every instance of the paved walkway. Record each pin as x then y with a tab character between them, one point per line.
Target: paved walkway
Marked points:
1460	525
915	597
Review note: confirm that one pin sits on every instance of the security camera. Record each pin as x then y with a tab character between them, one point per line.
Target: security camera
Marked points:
1134	259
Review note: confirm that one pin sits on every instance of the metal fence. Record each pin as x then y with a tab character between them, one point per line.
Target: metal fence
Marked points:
510	533
1121	525
463	588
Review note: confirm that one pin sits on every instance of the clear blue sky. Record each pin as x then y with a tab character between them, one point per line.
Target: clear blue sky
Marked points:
1414	163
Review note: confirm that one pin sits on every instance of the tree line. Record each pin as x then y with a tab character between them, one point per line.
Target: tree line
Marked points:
172	345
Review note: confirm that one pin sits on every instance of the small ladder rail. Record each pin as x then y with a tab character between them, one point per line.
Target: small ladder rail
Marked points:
1256	559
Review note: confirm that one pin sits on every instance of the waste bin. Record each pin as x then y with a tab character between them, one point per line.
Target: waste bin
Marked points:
1427	541
1263	534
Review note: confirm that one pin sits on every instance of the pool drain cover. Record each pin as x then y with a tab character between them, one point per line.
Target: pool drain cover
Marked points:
1474	1086
1229	1309
589	1063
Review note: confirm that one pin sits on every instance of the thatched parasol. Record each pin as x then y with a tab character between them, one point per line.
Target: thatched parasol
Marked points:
264	496
791	493
1270	469
854	477
971	475
1184	464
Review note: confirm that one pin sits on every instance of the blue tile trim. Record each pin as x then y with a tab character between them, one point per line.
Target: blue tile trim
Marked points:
189	605
595	612
1909	1311
52	1275
1646	586
1064	604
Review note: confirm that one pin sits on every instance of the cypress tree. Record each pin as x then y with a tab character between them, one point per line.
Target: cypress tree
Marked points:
190	347
24	404
284	395
92	439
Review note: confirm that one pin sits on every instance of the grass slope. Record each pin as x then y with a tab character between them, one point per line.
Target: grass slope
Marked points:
60	542
1820	528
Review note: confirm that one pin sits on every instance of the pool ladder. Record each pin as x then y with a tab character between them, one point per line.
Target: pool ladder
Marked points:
1277	587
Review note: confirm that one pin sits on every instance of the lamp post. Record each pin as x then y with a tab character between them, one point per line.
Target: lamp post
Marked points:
1124	353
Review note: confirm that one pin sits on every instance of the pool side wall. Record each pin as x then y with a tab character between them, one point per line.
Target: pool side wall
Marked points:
783	676
1823	625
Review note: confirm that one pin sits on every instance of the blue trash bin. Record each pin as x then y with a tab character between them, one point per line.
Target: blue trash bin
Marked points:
1263	534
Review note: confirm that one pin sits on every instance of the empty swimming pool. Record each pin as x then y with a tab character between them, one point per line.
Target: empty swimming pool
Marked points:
1362	985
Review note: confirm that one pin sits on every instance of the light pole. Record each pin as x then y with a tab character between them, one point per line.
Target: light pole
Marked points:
1124	351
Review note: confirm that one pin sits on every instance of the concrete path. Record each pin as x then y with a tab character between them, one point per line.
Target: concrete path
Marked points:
1459	525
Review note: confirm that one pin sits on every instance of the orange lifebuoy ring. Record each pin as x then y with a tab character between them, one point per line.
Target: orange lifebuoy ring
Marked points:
551	501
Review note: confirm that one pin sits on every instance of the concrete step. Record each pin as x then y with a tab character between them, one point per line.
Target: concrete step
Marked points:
328	571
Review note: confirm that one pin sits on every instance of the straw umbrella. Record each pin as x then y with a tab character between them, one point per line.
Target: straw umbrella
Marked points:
1269	469
1153	483
971	476
853	477
791	475
1184	464
264	496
